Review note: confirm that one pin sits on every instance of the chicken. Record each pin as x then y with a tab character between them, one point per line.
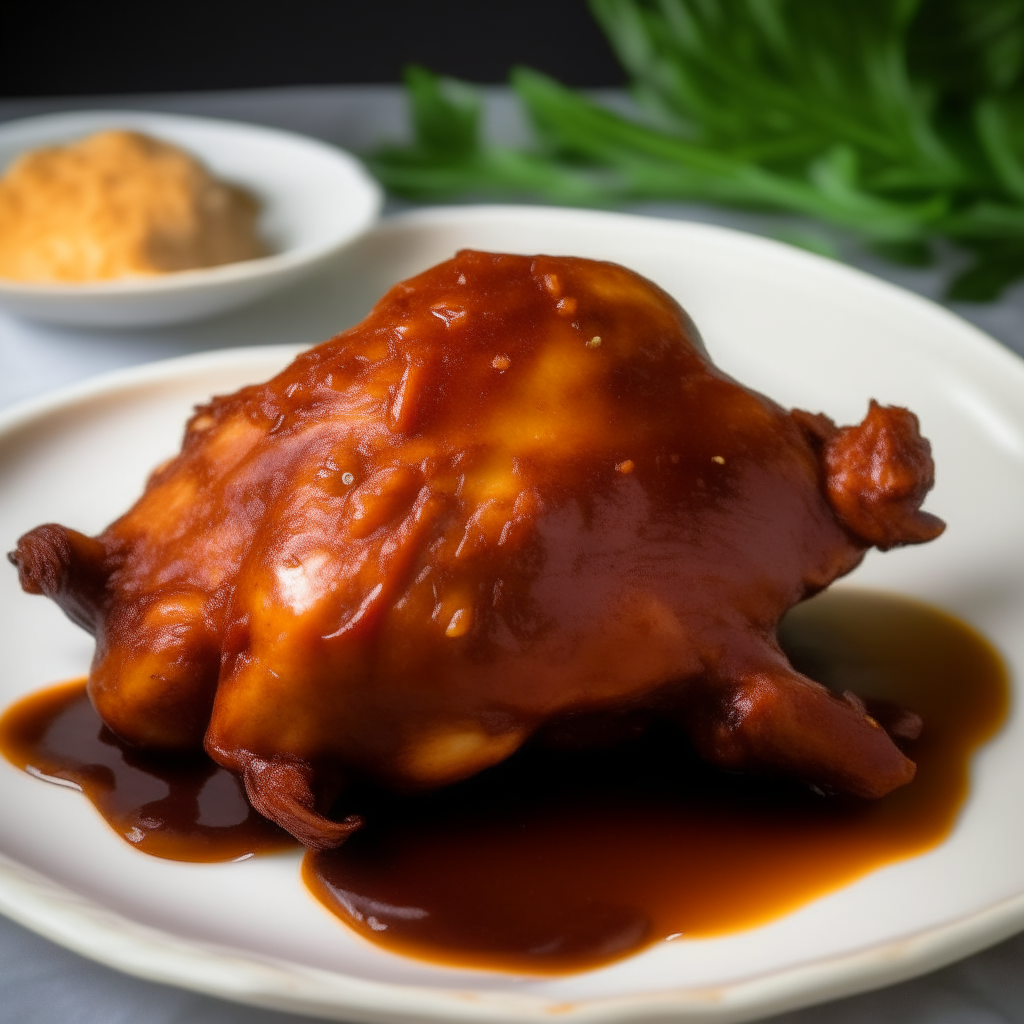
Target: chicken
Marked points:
517	498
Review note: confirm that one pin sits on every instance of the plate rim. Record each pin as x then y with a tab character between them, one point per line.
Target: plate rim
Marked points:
97	932
439	216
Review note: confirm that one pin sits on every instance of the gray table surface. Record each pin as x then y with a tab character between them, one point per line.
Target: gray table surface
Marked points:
41	983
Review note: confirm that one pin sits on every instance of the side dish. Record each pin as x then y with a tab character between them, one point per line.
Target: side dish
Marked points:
119	204
517	500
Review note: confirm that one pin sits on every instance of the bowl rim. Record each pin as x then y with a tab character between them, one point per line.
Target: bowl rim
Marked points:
68	123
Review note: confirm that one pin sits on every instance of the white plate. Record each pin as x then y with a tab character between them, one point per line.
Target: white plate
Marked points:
315	200
805	330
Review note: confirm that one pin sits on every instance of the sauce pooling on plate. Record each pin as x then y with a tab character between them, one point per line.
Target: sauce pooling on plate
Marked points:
555	862
179	808
562	862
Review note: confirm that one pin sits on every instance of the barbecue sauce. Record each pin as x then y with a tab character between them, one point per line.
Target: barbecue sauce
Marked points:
179	808
554	862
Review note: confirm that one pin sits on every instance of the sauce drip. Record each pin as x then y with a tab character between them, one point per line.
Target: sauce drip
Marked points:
172	807
555	862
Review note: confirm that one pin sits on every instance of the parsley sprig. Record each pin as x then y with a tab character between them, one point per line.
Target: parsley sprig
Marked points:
901	121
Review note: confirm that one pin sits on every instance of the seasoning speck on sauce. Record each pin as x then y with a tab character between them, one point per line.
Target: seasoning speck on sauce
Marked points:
119	204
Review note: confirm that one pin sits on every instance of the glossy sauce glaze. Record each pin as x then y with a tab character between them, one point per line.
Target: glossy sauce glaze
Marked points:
552	863
555	862
517	495
176	807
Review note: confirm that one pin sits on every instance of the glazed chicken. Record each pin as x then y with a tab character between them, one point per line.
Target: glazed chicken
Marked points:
518	498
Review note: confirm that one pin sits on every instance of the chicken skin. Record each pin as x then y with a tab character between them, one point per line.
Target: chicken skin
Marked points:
518	498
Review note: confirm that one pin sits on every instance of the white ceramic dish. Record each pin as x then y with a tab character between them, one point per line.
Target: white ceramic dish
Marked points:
315	199
808	331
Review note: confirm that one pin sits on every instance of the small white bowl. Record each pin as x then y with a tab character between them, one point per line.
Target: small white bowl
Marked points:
316	199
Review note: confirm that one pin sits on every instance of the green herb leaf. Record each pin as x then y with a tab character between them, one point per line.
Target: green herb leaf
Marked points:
901	121
445	113
996	266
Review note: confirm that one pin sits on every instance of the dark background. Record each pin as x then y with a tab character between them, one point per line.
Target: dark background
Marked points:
87	47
